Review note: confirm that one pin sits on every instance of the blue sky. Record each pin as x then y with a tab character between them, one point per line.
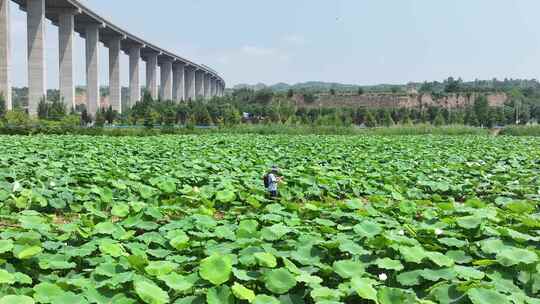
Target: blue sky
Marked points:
348	41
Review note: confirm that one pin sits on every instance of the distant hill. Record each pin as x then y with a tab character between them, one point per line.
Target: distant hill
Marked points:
311	85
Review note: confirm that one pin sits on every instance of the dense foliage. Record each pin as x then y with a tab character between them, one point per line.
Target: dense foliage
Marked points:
184	219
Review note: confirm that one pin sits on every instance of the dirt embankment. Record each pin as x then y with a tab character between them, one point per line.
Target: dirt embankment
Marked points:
451	101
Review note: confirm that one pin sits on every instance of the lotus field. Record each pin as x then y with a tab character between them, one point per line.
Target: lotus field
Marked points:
185	219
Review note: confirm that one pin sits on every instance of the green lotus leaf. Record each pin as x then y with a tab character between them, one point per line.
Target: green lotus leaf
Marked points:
247	229
28	252
279	281
511	256
483	296
364	288
469	222
12	299
389	264
322	294
265	259
225	196
113	249
349	268
219	295
440	259
243	293
6	277
150	293
216	269
46	292
413	254
179	240
368	229
178	282
160	268
120	210
388	295
6	246
264	299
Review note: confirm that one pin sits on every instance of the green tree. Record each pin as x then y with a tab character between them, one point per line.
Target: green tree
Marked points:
100	118
387	120
86	118
439	120
481	110
2	106
56	110
43	109
201	115
370	120
110	115
290	93
360	91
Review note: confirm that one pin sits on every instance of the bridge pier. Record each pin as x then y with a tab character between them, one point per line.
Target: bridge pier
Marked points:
115	89
66	28
134	81
5	53
151	75
178	81
199	84
190	83
92	69
166	79
36	54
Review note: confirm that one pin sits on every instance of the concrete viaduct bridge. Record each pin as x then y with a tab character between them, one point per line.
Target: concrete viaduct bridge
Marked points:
180	78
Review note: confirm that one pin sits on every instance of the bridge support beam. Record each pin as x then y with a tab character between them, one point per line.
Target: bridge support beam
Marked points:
5	53
37	89
213	87
115	89
92	69
66	29
207	88
166	79
190	83
151	75
199	84
178	81
134	81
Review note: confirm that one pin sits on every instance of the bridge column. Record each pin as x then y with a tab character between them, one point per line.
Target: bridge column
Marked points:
115	89
151	75
5	53
178	81
36	54
190	83
66	28
199	84
92	69
214	87
207	87
134	81
166	79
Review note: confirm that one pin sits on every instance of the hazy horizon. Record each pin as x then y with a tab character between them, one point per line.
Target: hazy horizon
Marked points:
342	41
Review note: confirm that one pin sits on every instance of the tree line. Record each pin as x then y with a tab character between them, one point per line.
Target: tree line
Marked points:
263	106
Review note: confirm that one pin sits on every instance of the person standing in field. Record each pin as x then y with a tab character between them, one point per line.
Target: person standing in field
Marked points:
271	181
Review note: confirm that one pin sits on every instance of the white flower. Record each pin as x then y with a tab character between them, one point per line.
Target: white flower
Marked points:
383	276
401	232
438	231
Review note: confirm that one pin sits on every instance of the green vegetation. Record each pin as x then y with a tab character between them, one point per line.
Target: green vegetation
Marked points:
184	219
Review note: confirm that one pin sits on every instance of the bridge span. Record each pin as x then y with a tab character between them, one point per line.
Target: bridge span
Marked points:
180	78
